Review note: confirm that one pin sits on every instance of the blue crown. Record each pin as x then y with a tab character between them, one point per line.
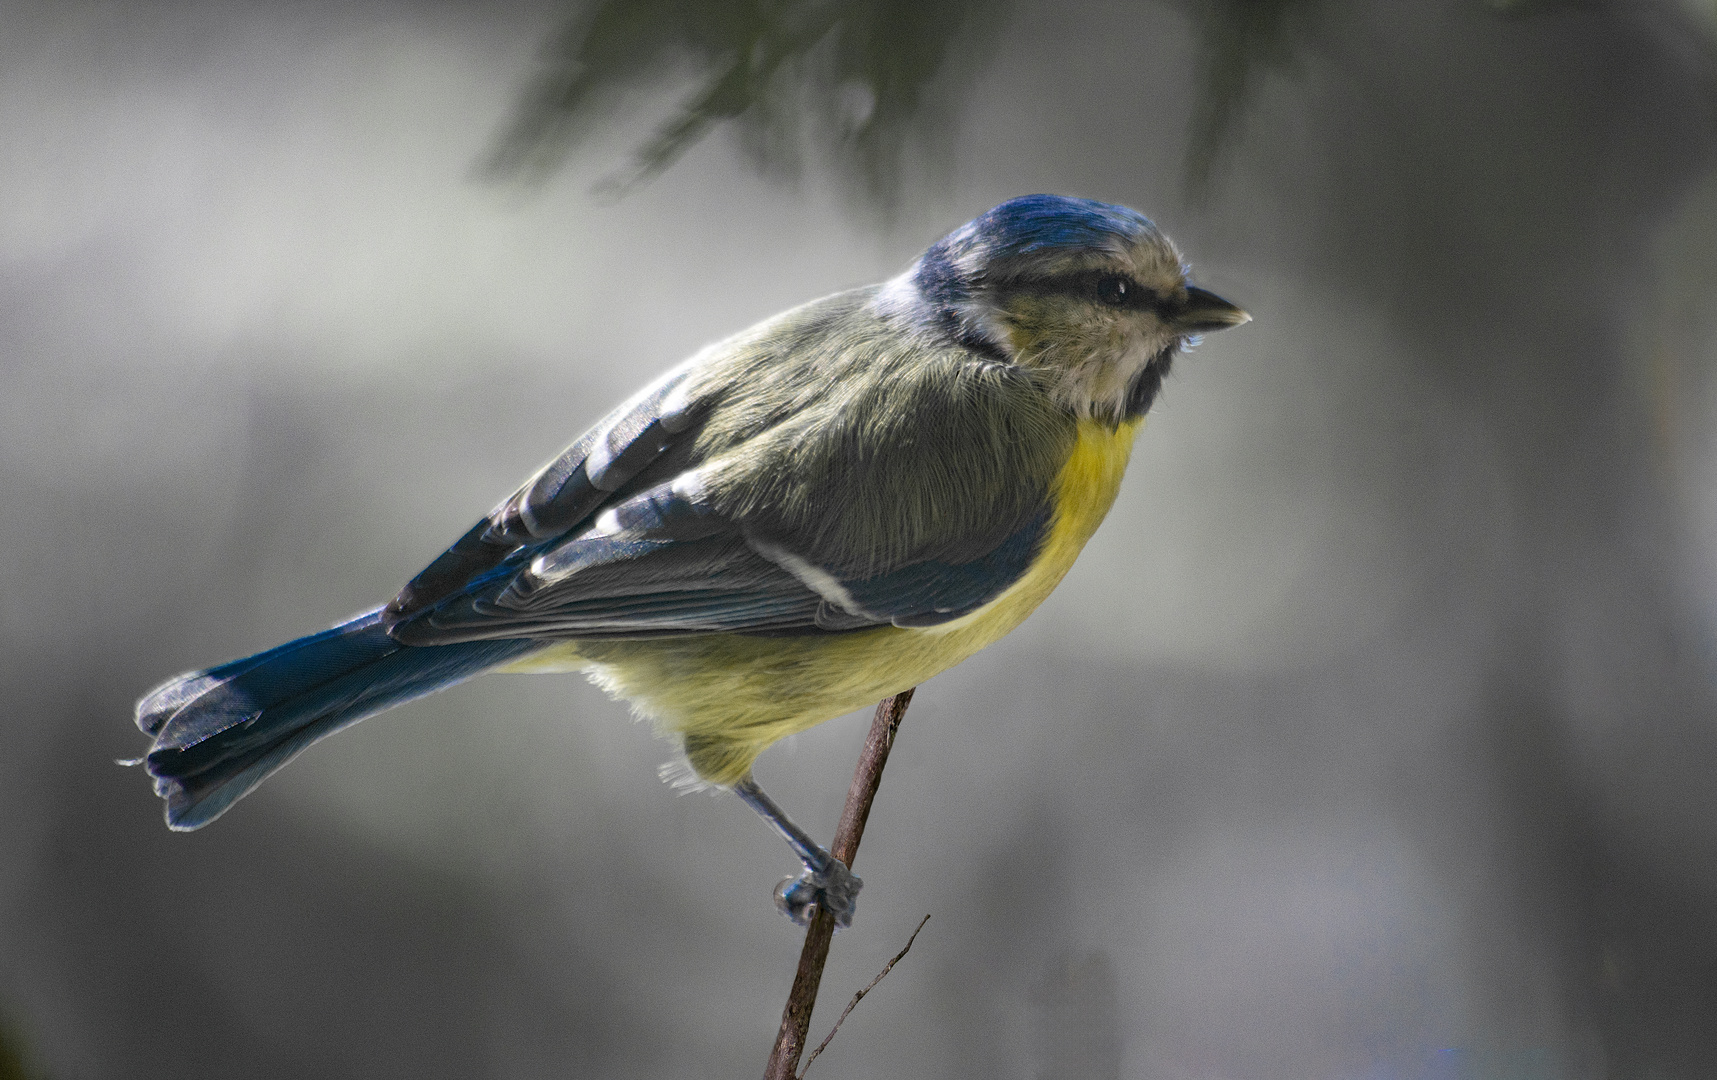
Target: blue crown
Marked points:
1040	224
1026	229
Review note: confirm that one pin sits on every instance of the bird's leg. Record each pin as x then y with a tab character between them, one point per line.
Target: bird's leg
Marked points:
826	880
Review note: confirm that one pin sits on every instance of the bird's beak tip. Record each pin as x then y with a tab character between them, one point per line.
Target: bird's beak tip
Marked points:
1206	312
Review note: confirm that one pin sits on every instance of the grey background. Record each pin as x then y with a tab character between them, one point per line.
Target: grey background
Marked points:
1373	736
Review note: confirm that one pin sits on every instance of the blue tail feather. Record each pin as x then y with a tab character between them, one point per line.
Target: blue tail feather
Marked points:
219	733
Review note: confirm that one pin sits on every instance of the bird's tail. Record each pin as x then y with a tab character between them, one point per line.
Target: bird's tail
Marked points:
218	733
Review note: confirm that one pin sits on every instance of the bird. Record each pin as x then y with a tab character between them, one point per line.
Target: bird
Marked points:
818	512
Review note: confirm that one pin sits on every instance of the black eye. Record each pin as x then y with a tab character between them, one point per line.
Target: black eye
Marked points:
1114	290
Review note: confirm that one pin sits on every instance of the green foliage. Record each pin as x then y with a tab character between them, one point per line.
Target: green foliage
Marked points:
858	80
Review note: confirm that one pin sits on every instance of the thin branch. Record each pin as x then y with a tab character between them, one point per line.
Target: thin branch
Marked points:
858	997
796	1017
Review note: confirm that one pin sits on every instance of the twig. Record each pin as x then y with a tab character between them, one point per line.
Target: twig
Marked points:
858	997
796	1017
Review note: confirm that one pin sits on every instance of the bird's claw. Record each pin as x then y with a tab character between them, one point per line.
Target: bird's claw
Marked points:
835	887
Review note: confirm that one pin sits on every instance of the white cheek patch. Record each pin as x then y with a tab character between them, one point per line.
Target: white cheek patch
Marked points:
1100	384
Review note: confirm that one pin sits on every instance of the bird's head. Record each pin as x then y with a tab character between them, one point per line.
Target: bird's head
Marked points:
1088	294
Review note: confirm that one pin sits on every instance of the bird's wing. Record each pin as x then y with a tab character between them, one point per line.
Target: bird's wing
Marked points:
663	562
566	493
826	485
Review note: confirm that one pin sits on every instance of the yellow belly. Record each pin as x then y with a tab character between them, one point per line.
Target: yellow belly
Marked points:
729	696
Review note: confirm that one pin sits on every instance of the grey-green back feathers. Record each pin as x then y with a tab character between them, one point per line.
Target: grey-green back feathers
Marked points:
828	470
864	447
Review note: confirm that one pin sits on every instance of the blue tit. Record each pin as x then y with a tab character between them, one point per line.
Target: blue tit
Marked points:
821	511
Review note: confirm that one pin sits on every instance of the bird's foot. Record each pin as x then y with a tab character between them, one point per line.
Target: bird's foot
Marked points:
833	888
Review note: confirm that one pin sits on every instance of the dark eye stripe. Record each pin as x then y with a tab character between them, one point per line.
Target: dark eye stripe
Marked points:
1089	286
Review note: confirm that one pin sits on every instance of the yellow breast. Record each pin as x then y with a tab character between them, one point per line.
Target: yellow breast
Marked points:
729	696
1084	491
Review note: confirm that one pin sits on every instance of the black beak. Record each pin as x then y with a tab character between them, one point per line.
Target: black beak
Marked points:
1206	312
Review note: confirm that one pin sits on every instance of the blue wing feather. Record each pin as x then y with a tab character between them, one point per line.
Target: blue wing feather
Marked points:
563	494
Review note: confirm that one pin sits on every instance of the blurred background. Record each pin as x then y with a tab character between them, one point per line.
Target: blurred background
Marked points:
1374	736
